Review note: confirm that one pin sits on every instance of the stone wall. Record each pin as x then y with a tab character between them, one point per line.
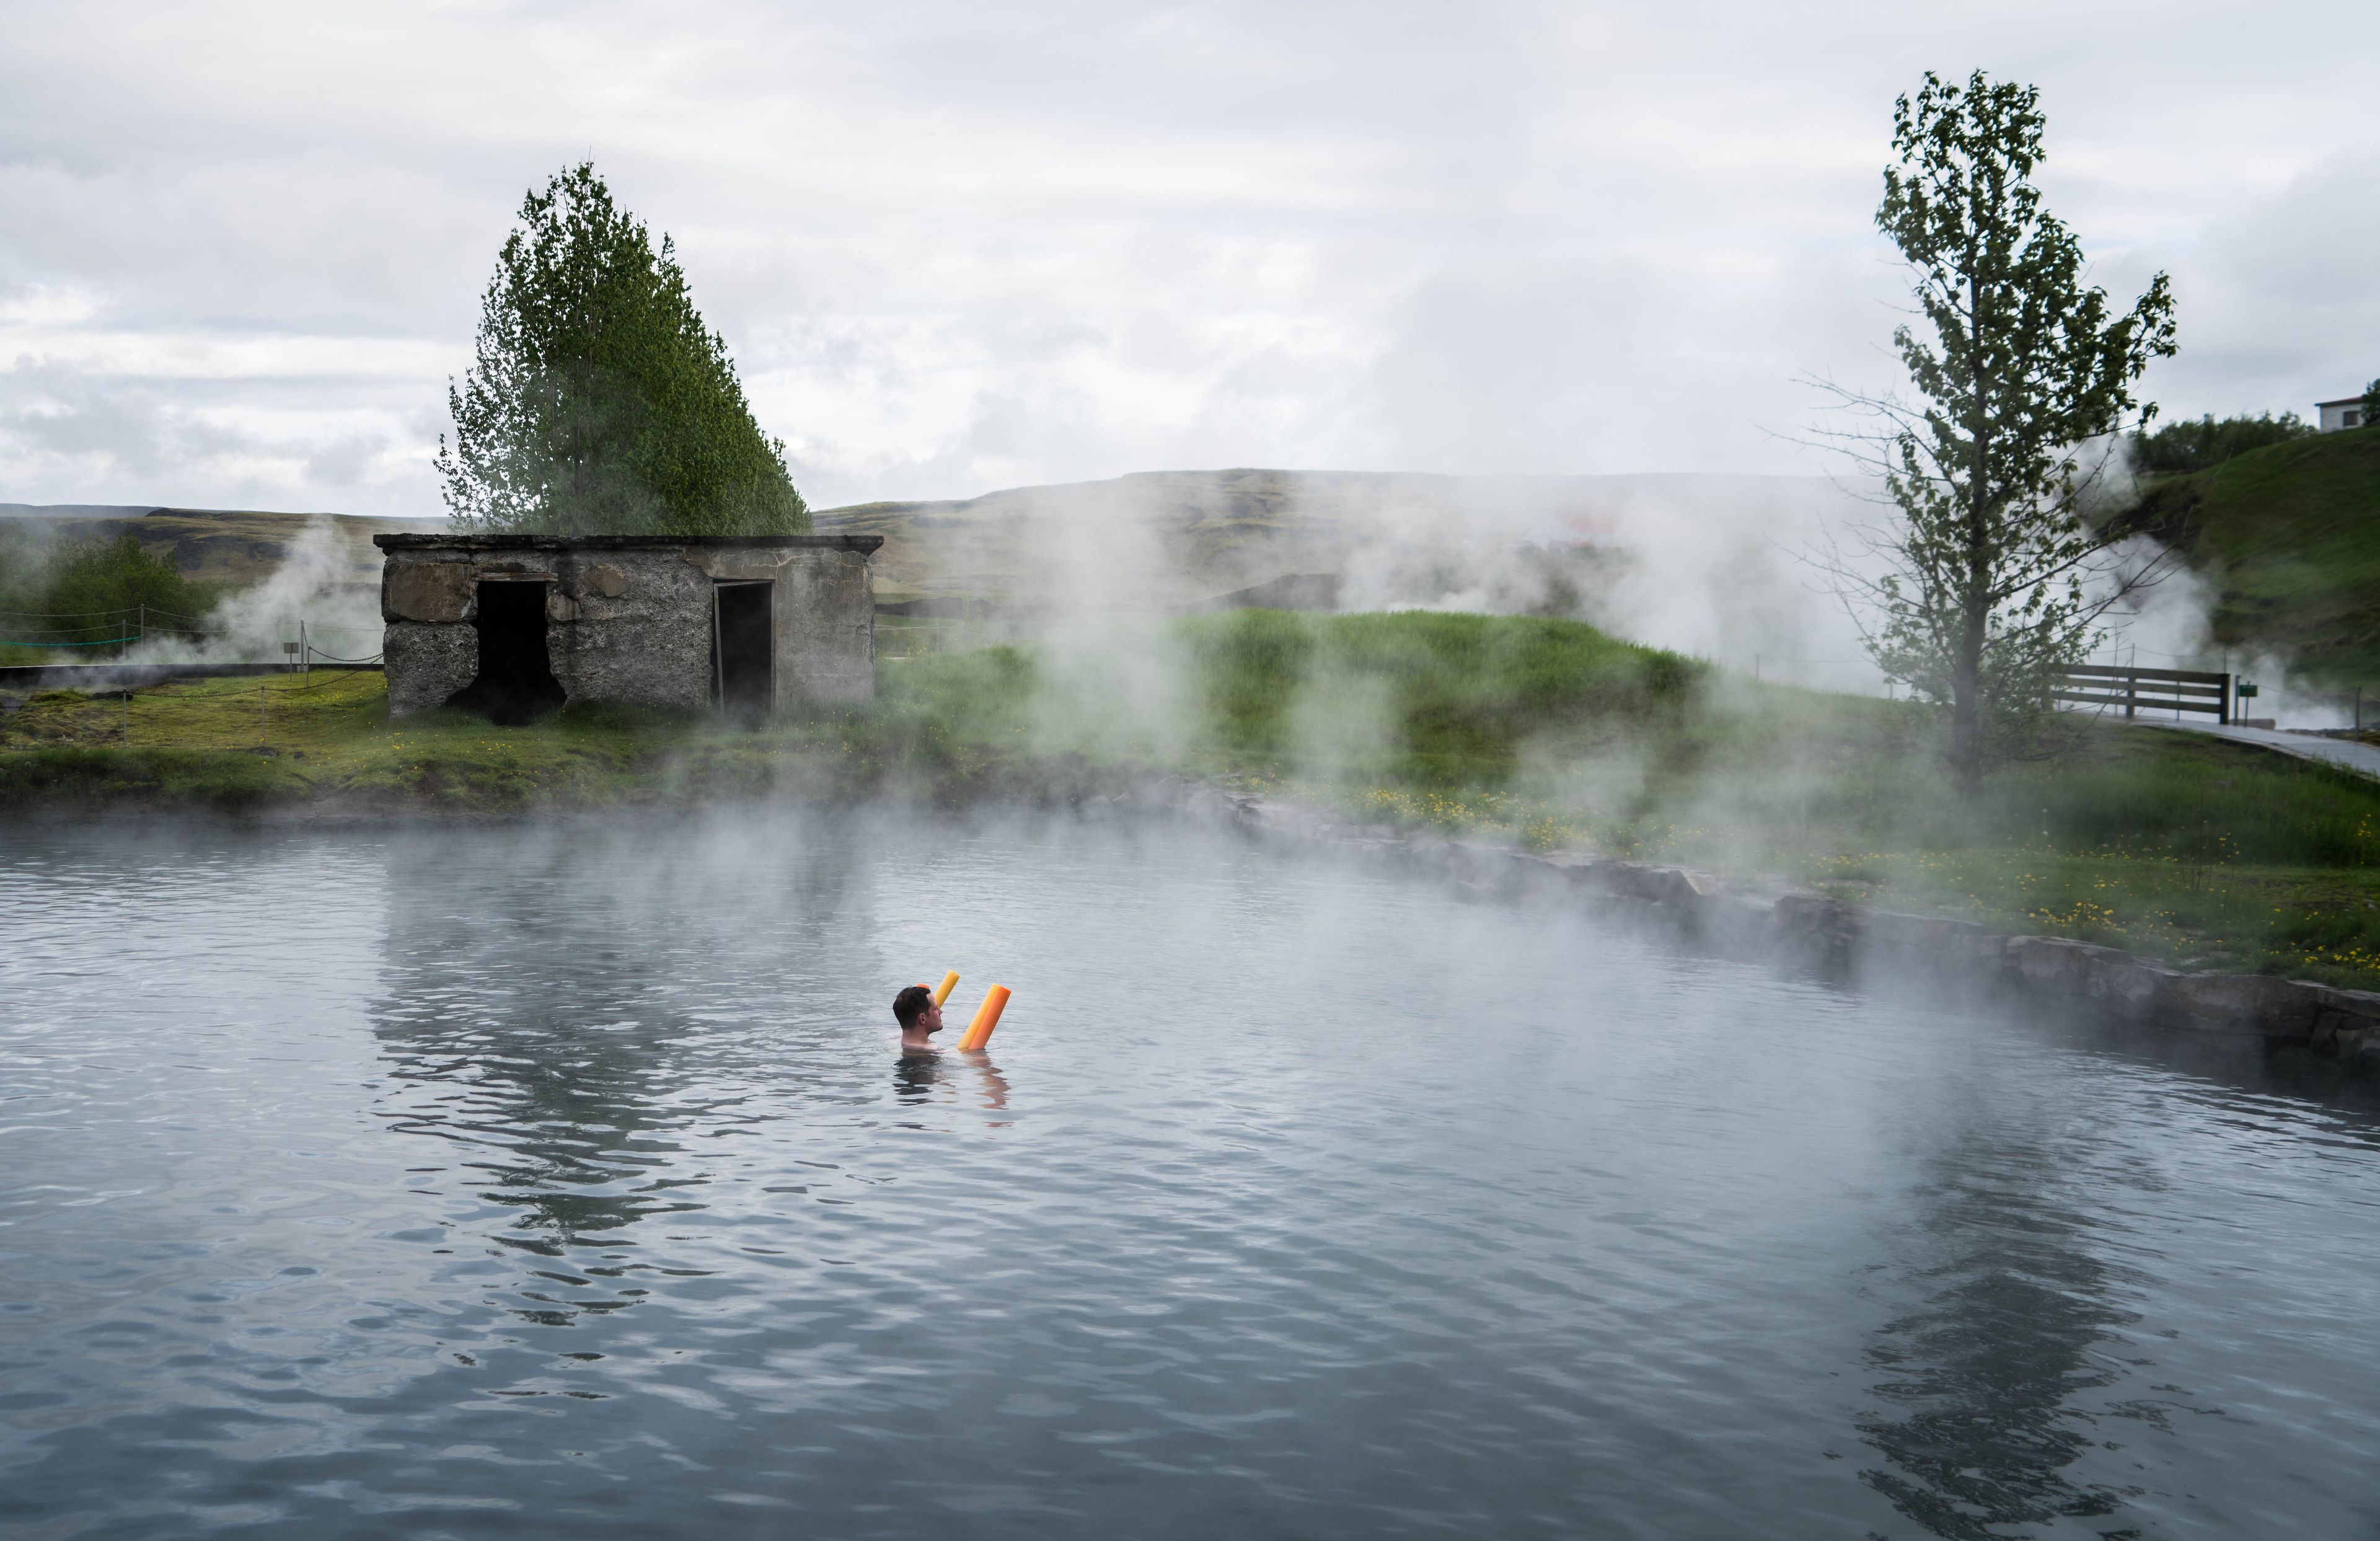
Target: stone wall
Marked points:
825	617
1936	959
628	619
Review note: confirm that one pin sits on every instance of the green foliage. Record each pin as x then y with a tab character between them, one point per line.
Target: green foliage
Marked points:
97	577
24	562
2185	446
173	777
598	403
1423	698
81	594
24	571
1985	600
2372	404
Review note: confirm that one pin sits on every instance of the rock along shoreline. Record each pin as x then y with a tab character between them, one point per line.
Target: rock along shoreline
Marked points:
1850	943
1856	945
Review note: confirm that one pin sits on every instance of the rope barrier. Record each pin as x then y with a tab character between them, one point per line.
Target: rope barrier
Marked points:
79	615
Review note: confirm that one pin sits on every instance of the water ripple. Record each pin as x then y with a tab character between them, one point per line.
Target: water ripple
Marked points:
562	1180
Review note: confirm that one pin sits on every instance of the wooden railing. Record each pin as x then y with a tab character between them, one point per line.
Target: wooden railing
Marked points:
2159	689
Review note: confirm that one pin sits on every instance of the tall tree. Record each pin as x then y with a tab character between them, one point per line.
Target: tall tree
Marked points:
1994	572
598	402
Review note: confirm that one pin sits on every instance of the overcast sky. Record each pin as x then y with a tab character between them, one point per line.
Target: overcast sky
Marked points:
957	247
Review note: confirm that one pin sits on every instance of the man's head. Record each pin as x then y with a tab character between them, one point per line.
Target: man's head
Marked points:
914	1009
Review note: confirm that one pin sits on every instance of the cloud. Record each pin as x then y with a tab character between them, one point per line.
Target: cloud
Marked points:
62	428
241	246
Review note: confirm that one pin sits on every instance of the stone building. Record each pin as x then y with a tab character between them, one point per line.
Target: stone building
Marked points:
514	625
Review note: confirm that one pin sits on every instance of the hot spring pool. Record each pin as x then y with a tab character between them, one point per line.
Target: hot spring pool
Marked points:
562	1182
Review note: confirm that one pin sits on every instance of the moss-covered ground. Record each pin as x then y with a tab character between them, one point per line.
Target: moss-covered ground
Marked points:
2205	851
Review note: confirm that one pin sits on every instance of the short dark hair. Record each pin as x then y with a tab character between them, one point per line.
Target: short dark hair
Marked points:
910	1004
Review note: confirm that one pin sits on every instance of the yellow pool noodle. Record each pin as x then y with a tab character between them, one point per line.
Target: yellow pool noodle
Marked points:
950	982
987	1017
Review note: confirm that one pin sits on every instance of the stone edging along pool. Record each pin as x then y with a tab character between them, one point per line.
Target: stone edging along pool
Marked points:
1852	942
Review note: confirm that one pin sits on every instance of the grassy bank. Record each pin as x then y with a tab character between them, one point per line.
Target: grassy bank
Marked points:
1546	731
2289	537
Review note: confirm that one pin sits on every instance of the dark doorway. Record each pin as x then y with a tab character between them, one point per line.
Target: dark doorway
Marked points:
516	682
744	648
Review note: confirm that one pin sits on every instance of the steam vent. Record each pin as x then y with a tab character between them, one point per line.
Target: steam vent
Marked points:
514	625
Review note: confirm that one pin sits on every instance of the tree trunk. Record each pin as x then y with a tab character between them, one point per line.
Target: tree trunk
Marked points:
1967	750
1967	754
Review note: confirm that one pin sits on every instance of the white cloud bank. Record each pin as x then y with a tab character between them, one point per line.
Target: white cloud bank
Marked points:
955	248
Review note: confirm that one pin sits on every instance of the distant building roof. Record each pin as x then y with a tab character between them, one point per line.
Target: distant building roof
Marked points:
2343	401
408	542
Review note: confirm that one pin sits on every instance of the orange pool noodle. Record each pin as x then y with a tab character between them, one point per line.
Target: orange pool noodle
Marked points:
987	1017
949	983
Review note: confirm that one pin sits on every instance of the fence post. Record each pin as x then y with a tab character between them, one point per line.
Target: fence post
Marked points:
2131	692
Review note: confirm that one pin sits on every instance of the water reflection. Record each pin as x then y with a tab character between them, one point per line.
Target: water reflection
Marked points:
2016	1299
560	1098
918	1078
1490	1275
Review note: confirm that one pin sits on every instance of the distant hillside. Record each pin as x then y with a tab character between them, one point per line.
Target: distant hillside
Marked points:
235	547
1702	564
2289	536
1160	539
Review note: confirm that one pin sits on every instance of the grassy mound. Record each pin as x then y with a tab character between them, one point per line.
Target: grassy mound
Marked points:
2291	537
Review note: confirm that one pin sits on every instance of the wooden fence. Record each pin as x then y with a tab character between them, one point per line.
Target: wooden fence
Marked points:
2158	689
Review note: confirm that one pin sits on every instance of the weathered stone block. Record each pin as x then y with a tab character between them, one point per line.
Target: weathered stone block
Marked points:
825	627
607	580
427	663
433	592
1888	929
2054	965
1736	917
2282	1009
2291	1008
2358	1004
2130	988
1811	916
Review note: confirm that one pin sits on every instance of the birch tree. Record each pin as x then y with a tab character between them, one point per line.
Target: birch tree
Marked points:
1999	559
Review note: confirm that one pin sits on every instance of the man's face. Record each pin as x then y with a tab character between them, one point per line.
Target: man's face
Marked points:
931	1019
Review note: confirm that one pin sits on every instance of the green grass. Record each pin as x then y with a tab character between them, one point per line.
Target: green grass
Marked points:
1548	732
2290	535
1463	695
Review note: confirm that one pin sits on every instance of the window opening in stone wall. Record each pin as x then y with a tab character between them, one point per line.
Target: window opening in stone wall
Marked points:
516	682
744	647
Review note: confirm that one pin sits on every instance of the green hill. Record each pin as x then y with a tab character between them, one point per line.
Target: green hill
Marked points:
1158	540
230	547
2290	537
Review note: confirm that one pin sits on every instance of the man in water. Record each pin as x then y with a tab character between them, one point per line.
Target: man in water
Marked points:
919	1018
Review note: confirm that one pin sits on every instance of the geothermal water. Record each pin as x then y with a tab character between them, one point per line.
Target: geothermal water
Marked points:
563	1182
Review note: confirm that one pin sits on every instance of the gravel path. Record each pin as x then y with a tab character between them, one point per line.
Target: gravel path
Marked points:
2305	746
